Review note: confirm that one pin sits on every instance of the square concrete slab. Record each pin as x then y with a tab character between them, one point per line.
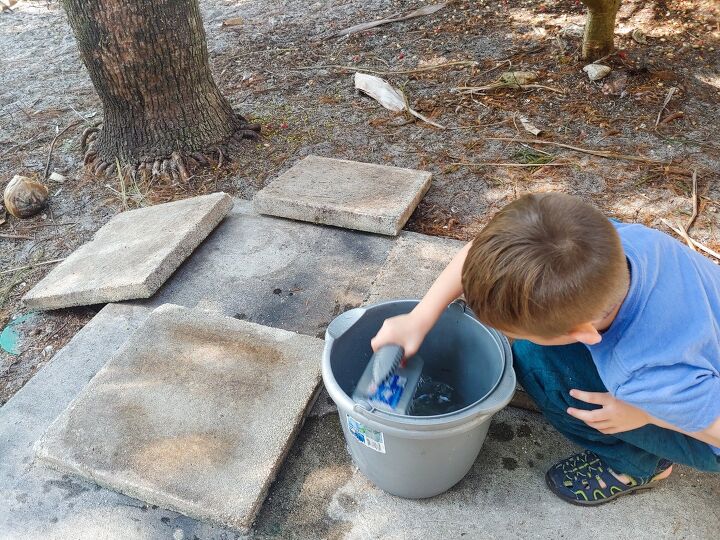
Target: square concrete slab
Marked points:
360	196
131	255
413	264
195	414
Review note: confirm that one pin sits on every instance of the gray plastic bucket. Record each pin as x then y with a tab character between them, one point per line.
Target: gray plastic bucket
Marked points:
419	456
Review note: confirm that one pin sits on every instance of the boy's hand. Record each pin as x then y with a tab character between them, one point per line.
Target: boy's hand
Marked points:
613	416
408	331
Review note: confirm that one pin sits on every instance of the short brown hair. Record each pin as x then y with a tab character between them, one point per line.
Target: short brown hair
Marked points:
544	264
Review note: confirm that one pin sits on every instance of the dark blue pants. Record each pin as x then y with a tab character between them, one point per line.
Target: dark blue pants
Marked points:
549	373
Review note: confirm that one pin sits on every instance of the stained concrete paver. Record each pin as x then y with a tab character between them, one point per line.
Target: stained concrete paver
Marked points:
412	266
287	274
131	255
350	194
194	414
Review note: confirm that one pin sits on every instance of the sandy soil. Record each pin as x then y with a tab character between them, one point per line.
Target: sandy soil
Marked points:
279	68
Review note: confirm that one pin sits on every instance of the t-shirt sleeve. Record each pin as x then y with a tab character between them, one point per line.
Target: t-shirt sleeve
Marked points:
686	396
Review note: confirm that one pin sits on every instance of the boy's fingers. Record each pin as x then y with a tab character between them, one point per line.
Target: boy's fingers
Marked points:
586	416
597	398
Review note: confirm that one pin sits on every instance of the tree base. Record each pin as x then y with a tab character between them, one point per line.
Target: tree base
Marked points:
177	166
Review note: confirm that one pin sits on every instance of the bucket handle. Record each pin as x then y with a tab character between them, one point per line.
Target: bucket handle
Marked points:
344	322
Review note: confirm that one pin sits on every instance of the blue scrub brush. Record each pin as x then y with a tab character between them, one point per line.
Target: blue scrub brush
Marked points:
385	385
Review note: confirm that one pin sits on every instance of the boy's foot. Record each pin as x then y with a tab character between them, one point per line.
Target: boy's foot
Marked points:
584	479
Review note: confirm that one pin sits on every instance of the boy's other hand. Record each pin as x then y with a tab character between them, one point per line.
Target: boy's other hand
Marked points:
408	331
613	416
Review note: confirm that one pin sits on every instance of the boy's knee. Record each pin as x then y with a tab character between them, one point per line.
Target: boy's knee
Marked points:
527	357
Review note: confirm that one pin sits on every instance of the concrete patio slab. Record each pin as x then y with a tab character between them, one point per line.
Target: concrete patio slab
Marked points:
194	414
412	266
361	196
275	272
131	255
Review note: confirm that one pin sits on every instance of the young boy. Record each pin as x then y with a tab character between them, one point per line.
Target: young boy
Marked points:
617	338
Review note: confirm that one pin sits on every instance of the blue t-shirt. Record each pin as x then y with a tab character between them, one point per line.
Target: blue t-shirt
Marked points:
662	351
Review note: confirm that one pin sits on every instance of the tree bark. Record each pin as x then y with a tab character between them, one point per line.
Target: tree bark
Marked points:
148	62
599	38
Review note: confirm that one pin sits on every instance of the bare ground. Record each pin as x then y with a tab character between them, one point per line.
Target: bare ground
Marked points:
278	70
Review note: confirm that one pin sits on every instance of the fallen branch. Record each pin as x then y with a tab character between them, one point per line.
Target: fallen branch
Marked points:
427	10
598	153
458	63
695	243
52	147
694	216
474	89
43	263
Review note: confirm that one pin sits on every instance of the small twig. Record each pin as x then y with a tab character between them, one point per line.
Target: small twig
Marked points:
16	237
52	146
43	263
694	216
41	225
695	243
495	86
672	116
599	153
665	104
501	164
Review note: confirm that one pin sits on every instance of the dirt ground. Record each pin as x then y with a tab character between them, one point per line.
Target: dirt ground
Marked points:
279	67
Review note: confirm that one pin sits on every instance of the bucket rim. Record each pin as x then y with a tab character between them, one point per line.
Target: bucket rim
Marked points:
419	422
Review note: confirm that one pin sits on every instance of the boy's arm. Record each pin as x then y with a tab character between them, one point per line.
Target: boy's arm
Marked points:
410	330
617	416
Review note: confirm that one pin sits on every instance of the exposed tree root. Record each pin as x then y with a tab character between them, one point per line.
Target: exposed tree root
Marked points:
179	166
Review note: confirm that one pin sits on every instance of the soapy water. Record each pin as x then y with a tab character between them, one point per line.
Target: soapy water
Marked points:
434	397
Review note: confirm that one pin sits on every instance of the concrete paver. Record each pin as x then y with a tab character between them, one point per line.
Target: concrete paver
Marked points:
287	274
194	414
131	255
350	194
415	261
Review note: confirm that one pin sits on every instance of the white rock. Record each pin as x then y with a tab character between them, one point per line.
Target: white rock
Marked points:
595	72
57	177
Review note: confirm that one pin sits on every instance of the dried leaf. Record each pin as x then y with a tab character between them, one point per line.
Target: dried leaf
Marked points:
528	126
390	98
381	91
518	78
426	10
235	21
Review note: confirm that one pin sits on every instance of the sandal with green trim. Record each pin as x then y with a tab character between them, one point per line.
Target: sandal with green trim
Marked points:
584	479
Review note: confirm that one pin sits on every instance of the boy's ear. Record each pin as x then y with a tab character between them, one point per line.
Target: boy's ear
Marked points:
586	333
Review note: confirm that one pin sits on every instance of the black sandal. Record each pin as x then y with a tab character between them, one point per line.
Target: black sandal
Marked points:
584	479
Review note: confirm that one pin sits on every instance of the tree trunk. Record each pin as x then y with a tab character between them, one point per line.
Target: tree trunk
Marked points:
148	62
599	38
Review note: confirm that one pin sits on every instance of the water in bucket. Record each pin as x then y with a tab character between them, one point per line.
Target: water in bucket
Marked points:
433	397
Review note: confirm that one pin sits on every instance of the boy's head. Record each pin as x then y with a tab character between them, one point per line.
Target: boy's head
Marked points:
546	268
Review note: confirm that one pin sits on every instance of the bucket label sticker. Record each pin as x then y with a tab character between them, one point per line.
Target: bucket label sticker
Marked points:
369	437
